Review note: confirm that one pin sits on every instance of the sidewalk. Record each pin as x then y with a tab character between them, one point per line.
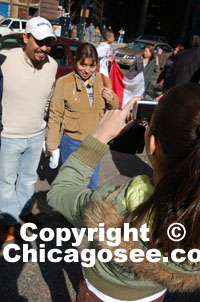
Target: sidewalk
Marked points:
114	45
57	282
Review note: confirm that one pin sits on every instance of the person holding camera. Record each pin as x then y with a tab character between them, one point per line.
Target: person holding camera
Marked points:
143	73
170	196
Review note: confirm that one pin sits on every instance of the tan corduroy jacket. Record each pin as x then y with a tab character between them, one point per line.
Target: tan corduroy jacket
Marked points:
70	108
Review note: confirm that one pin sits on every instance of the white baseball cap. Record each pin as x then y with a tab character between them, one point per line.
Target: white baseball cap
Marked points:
40	28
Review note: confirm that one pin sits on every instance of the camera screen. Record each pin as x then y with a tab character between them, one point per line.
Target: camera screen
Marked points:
145	111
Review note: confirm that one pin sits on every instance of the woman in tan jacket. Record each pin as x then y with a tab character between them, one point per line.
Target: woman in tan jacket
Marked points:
79	102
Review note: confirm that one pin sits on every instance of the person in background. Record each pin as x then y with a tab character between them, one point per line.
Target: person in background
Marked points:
104	53
110	28
2	59
91	29
187	64
29	77
79	28
73	31
1	125
143	74
84	30
167	72
70	29
121	35
97	34
103	32
78	104
170	197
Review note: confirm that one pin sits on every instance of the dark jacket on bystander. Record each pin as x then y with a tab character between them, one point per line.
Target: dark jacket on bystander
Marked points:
187	67
2	59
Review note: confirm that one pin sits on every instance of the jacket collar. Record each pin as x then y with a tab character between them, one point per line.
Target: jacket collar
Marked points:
79	83
170	275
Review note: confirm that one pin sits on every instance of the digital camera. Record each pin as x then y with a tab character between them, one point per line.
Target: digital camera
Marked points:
143	110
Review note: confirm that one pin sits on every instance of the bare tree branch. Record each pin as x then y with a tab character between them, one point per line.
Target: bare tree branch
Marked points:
71	7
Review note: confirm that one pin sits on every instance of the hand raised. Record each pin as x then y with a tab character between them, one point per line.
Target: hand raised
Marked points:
114	123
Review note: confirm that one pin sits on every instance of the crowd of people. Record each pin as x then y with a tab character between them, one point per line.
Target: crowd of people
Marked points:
84	104
92	33
147	79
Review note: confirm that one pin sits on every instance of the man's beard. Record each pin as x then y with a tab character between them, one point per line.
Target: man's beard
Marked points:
41	52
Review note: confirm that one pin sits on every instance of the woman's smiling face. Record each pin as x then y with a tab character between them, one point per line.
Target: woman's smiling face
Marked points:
147	54
85	68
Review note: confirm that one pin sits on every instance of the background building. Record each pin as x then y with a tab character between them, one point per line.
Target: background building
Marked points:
175	19
25	9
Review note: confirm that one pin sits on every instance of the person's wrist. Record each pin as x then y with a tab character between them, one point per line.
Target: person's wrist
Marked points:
101	137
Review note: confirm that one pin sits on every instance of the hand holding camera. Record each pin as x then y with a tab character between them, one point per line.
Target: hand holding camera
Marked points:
143	110
114	123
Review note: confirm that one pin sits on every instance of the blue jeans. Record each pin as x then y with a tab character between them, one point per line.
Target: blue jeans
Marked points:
69	145
120	40
19	159
90	36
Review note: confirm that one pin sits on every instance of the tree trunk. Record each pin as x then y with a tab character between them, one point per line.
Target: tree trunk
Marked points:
141	27
186	18
101	15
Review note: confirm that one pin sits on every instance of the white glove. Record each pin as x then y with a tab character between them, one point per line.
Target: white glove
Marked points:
54	159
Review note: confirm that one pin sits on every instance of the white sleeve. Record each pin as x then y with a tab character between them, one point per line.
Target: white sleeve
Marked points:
103	52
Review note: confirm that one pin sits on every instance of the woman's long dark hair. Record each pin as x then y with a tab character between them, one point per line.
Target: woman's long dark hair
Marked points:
176	125
151	49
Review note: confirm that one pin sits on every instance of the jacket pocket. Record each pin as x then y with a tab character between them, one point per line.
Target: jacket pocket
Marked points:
72	121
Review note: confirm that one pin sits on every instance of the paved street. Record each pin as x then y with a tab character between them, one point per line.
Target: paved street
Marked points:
57	282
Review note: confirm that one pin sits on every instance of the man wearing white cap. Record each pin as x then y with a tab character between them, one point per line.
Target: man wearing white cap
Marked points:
29	77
